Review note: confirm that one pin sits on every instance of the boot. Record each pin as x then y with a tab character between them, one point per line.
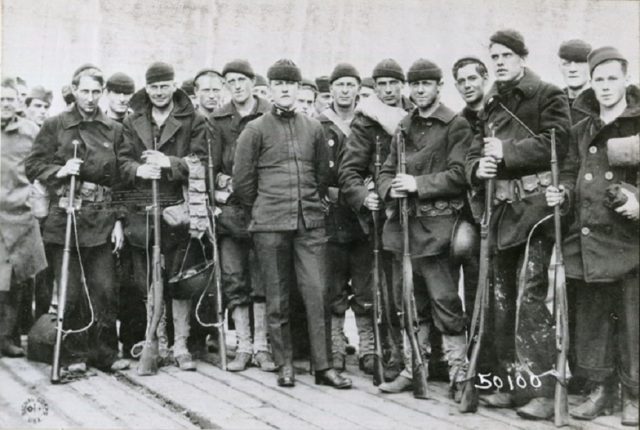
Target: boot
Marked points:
8	315
364	323
242	322
538	408
332	378
181	309
455	352
629	408
262	357
598	403
338	342
398	385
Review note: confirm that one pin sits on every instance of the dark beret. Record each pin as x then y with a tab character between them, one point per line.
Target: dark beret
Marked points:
159	72
388	68
188	87
602	54
423	69
121	83
512	40
261	81
343	70
238	66
574	50
368	82
284	70
322	82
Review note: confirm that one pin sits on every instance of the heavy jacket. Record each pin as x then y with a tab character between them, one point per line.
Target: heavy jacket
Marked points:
435	149
357	162
227	125
341	221
19	230
51	150
281	167
600	245
577	111
524	172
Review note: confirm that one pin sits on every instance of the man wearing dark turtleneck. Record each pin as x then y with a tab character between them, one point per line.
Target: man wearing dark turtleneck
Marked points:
514	147
280	174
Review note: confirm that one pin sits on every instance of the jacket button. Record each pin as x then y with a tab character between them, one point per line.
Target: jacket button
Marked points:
331	163
608	176
429	123
330	142
585	231
593	149
588	176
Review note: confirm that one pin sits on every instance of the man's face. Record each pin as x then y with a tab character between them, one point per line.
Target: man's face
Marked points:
575	75
389	90
240	86
87	94
161	93
608	81
304	101
262	91
323	101
208	89
118	102
37	111
365	92
506	63
8	103
284	93
23	92
470	84
344	91
424	92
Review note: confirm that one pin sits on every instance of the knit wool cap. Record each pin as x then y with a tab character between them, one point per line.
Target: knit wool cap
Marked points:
424	69
121	83
574	50
388	68
308	83
261	81
323	84
40	93
284	70
159	72
188	87
512	40
343	70
600	55
238	66
368	82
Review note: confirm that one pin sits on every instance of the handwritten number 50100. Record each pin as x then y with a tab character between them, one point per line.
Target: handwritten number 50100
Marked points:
486	381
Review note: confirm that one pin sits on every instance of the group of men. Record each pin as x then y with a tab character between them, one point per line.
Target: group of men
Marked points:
300	167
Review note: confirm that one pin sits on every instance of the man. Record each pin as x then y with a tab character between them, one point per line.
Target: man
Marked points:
513	147
349	250
357	168
208	89
38	103
306	98
97	233
163	129
67	95
366	89
234	240
436	141
261	88
119	90
575	72
471	80
601	245
188	87
323	98
23	92
280	174
21	251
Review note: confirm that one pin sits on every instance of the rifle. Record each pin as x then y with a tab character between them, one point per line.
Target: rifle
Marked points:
64	274
378	369
469	394
148	364
560	406
222	342
410	314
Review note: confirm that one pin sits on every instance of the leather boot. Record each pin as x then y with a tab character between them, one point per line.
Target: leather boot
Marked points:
332	378
286	375
364	323
455	352
598	403
629	408
8	316
181	309
338	342
243	356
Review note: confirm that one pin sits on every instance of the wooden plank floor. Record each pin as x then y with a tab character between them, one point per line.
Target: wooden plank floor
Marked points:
211	398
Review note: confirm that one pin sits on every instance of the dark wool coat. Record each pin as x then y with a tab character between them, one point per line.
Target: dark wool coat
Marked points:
435	149
542	107
281	166
600	245
51	150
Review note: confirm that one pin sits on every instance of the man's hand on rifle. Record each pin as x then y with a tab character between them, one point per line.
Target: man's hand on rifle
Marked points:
156	157
555	196
493	148
117	237
631	208
148	171
72	167
487	168
402	185
372	201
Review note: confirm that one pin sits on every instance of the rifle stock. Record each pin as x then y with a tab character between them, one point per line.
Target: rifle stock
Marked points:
561	406
410	316
378	368
64	276
222	339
